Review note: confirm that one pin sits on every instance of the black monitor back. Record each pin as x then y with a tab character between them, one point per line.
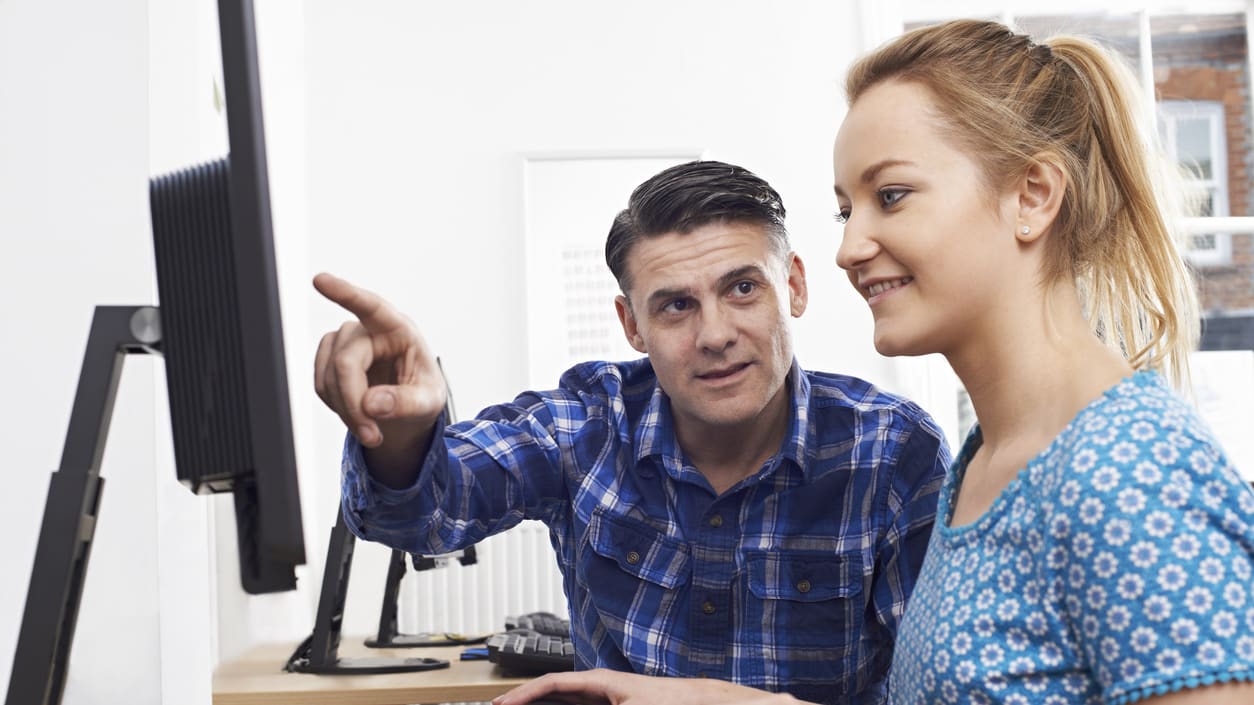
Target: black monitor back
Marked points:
221	326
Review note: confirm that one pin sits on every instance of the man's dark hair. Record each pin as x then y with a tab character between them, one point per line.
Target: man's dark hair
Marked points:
688	196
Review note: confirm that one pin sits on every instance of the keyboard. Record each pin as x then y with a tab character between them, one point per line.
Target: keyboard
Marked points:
526	652
543	622
533	644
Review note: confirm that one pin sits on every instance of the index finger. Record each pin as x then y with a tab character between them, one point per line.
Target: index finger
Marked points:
369	308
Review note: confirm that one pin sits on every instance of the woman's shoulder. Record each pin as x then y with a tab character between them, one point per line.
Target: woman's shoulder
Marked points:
1148	536
1140	413
1139	433
1141	447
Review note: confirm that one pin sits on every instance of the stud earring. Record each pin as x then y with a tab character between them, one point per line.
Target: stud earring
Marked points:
1025	230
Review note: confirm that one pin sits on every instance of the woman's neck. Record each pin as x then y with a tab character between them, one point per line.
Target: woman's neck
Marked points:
1028	376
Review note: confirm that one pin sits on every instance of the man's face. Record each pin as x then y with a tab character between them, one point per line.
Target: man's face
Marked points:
710	308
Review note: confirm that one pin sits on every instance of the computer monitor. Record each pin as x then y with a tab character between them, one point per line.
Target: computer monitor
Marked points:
219	328
222	332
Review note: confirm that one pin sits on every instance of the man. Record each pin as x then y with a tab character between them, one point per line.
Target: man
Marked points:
717	511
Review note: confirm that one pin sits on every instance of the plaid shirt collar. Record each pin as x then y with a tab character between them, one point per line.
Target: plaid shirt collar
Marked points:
655	434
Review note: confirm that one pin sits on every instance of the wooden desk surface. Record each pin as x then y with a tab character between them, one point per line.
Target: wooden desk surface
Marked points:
258	678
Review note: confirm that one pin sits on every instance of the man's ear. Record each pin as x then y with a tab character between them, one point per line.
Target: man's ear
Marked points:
628	319
798	293
1041	190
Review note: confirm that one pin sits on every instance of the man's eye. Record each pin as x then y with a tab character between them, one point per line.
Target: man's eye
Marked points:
890	197
676	306
745	288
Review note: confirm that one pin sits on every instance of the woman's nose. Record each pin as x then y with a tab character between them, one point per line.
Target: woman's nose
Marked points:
856	247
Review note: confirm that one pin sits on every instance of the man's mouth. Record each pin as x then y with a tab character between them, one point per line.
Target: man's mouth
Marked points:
722	372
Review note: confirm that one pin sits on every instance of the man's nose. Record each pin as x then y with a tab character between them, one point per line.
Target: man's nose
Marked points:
717	328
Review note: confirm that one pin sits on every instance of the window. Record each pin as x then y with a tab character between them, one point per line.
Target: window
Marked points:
1193	134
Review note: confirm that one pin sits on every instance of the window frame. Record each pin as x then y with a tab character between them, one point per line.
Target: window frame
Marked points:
1170	113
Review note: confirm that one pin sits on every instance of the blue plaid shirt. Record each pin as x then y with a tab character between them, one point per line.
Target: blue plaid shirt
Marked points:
795	579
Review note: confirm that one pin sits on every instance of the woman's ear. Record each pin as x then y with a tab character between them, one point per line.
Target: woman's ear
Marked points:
1041	192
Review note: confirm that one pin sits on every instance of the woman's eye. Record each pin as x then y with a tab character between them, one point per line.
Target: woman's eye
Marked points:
889	197
841	216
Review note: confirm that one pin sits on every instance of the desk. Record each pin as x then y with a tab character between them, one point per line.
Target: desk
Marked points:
258	678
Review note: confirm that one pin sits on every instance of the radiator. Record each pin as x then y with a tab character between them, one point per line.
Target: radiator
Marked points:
516	573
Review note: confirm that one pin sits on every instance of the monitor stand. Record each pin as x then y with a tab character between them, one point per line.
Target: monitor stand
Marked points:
318	653
69	523
389	636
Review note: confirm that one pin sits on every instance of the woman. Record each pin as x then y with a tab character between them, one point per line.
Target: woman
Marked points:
1093	543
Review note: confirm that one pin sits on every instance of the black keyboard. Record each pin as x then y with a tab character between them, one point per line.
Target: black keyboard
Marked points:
543	622
527	652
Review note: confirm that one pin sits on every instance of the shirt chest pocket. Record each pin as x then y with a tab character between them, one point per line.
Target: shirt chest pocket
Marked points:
622	548
812	598
636	579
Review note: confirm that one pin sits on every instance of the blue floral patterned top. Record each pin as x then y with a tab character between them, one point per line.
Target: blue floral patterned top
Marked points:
1118	565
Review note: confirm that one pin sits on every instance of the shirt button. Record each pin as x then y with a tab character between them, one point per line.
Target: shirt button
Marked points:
633	558
716	521
708	607
803	586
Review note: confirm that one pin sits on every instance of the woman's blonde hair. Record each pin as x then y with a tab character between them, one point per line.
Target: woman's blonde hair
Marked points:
1009	102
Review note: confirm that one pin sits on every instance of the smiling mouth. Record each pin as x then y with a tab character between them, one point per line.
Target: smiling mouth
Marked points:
888	285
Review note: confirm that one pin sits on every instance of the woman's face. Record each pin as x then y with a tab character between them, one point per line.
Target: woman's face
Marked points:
926	243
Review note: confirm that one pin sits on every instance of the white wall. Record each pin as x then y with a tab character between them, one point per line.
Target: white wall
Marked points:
73	170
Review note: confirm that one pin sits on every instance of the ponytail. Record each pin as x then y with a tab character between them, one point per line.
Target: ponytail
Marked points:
1132	276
